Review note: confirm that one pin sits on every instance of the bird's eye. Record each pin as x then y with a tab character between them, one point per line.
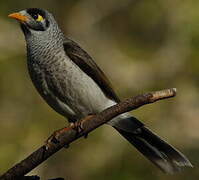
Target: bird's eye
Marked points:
37	17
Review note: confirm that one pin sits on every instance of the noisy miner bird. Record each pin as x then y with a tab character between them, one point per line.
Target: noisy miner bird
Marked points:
74	86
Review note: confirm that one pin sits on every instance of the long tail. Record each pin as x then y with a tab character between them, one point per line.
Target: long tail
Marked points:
159	152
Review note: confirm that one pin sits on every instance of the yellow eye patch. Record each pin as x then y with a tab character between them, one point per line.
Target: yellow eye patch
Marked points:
39	18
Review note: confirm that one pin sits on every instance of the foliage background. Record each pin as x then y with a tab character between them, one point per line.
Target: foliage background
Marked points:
142	46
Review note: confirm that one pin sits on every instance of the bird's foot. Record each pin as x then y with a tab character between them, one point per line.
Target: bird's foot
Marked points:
78	126
54	138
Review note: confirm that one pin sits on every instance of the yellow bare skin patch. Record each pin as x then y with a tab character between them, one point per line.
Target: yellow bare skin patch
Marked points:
39	18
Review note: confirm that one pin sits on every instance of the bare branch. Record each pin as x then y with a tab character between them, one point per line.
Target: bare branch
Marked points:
88	124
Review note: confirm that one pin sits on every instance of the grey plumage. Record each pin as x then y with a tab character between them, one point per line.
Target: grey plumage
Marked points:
74	86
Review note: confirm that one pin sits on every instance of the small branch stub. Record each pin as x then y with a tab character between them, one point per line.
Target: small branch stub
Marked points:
158	95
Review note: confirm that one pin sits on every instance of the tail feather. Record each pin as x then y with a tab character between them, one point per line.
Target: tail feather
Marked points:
159	152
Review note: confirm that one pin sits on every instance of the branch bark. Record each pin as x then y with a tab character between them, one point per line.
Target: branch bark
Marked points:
88	124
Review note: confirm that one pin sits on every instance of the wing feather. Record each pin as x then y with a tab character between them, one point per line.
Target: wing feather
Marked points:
87	64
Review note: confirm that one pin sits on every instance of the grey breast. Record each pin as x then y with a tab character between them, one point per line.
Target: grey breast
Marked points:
66	88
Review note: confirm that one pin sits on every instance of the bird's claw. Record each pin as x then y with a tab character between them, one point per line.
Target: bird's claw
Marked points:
78	126
54	138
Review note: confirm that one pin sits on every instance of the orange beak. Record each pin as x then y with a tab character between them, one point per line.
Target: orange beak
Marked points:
19	17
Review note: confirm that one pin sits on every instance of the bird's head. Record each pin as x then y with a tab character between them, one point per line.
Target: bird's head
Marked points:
38	25
33	19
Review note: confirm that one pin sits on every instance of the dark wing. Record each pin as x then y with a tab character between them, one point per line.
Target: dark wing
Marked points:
86	64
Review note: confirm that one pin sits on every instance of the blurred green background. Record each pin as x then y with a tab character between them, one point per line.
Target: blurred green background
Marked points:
141	45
